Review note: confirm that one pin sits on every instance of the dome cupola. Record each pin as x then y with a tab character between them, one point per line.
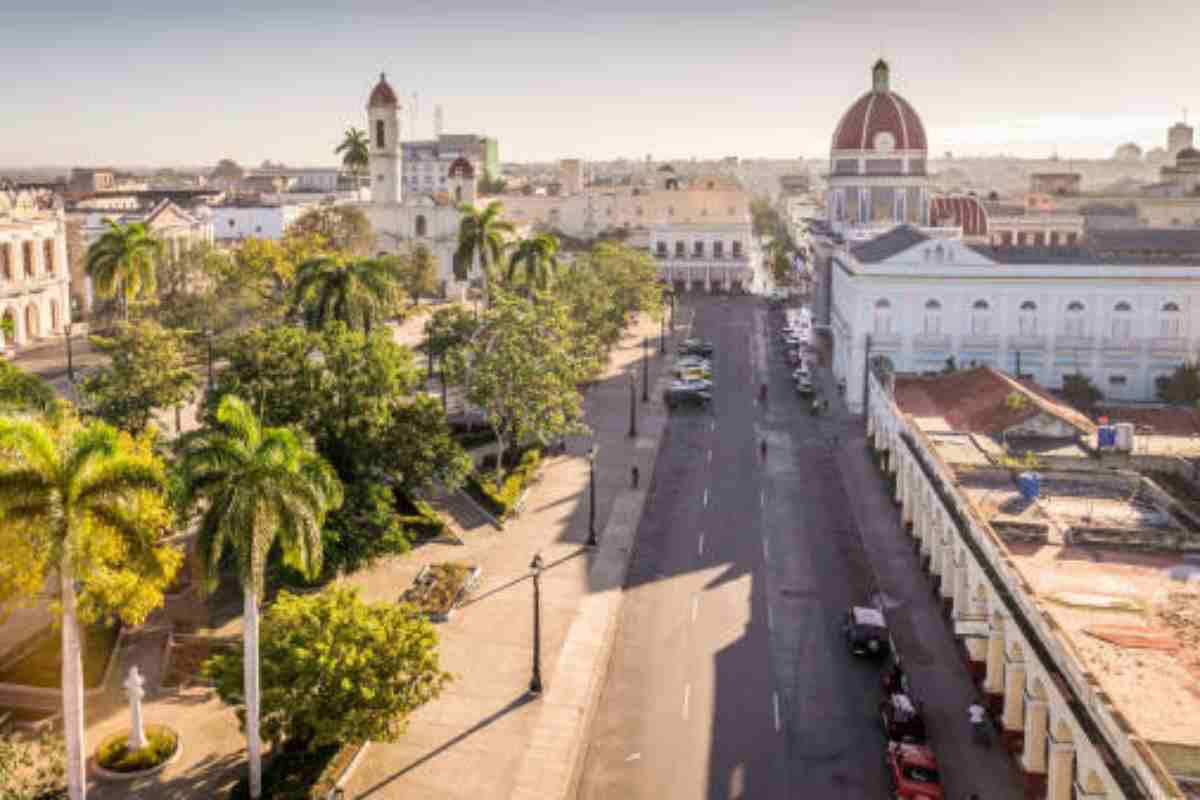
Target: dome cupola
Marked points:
382	94
880	120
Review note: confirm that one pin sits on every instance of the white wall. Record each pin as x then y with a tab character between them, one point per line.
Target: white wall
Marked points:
260	222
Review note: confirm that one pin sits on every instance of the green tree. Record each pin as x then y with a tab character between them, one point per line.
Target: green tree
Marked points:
355	150
537	258
779	258
356	293
148	369
766	219
416	272
122	263
519	369
22	391
1080	392
342	229
86	507
482	238
258	487
1182	386
336	669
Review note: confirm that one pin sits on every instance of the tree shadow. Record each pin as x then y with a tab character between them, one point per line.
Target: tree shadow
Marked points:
213	776
521	579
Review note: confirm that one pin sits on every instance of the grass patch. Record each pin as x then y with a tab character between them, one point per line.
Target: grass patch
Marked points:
498	499
114	753
295	773
438	588
42	666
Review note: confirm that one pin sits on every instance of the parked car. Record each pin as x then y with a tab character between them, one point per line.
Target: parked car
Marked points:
696	347
913	772
804	388
686	394
703	384
902	720
866	630
692	373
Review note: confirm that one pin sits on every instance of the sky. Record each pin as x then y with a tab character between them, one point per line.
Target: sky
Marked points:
133	82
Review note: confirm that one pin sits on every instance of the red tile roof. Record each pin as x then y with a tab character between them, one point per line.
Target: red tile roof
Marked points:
382	94
976	401
1162	420
874	113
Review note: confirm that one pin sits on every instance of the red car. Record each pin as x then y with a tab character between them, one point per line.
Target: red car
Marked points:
913	772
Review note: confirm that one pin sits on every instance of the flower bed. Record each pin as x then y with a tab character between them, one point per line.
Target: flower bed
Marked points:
439	588
114	754
500	500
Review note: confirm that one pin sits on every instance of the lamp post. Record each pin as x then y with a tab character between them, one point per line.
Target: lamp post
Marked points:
662	334
632	407
535	683
70	359
645	369
592	541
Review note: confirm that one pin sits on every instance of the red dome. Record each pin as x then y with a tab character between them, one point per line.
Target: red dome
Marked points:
382	94
880	111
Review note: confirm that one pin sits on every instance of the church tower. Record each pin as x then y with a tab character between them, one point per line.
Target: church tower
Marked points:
462	182
383	127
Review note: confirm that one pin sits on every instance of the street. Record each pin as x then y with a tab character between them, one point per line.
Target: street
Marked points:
730	677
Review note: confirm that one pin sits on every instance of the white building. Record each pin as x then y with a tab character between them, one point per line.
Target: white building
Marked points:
303	179
34	278
235	223
700	257
427	162
1123	309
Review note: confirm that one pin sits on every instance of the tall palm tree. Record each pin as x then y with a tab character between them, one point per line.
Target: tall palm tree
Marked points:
538	257
65	485
355	292
356	153
482	237
255	486
122	262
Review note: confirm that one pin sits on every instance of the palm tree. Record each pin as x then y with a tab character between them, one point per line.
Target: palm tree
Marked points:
482	237
122	262
66	485
538	257
256	486
356	153
354	292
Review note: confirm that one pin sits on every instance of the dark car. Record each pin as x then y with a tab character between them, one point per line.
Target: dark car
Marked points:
696	347
901	718
913	772
866	631
686	394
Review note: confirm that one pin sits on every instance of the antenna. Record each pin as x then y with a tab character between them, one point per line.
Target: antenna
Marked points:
412	128
438	121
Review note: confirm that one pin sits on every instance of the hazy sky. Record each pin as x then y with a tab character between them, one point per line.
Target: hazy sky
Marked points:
166	82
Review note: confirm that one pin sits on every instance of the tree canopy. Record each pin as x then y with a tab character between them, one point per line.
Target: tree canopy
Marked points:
22	391
342	229
122	263
1182	386
148	370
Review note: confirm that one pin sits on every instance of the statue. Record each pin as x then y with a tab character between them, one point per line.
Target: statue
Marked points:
133	687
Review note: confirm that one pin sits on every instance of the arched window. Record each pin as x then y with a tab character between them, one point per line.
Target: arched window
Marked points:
379	138
1027	323
421	225
883	317
1122	322
698	249
661	249
1073	320
718	249
737	249
457	194
1170	323
933	318
981	318
680	250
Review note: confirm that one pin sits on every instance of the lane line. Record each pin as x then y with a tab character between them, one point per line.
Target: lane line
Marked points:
770	619
762	497
766	550
710	456
687	699
712	426
706	497
775	699
702	544
695	607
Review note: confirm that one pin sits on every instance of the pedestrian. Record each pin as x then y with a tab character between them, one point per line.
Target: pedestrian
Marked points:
976	714
634	473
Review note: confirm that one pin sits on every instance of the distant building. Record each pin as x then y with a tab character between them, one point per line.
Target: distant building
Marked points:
34	279
426	163
1056	183
1180	136
84	179
572	175
297	179
1128	152
236	222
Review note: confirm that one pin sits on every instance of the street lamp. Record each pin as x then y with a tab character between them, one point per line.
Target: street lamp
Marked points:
70	359
645	369
632	407
592	541
662	334
535	683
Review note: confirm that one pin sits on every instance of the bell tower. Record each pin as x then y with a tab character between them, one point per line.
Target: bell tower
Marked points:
462	182
386	159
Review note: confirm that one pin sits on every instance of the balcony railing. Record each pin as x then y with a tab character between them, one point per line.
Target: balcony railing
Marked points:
980	341
931	341
1027	342
1074	342
1168	344
1123	344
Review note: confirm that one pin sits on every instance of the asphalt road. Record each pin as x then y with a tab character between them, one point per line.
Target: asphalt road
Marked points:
730	677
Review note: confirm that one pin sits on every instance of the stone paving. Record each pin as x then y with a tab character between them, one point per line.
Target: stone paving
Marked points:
472	741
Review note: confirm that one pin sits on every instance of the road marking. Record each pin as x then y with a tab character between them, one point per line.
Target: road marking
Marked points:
712	425
710	456
762	497
770	619
766	550
633	757
696	607
702	544
706	497
775	698
687	699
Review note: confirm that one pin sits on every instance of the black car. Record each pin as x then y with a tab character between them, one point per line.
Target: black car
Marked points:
866	631
686	394
696	347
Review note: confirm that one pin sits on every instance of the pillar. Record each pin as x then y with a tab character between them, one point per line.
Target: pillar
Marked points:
949	575
993	681
1033	757
1060	772
962	600
899	469
1013	718
936	547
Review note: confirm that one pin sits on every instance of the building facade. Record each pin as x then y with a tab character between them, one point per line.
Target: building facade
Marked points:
426	163
1118	312
235	223
709	258
34	277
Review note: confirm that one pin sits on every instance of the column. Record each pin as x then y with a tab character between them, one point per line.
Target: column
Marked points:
927	528
935	546
993	681
949	573
962	588
1033	758
1060	771
900	481
1013	718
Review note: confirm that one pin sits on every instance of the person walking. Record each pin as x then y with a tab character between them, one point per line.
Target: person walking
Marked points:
978	719
635	475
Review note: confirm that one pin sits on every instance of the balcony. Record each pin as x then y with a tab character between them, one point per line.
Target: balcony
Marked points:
1169	345
979	341
1123	345
931	341
1027	342
1074	342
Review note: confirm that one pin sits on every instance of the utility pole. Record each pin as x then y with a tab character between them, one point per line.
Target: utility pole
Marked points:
645	369
632	407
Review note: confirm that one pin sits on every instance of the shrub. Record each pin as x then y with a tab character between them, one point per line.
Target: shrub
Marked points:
295	773
366	527
114	753
499	500
423	523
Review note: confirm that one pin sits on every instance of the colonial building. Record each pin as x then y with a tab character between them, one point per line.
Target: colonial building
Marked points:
34	297
426	163
1123	308
707	257
240	220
